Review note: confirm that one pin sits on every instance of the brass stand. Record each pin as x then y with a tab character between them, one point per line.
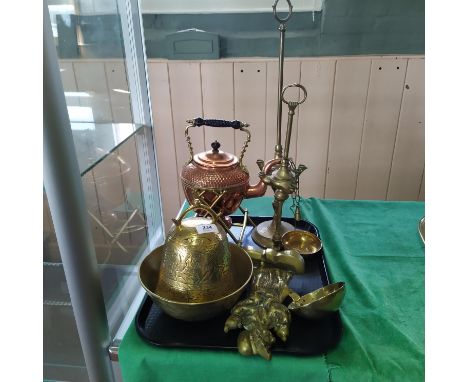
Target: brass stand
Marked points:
263	234
284	182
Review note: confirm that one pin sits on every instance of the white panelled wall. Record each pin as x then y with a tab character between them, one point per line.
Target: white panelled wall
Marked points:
360	131
100	85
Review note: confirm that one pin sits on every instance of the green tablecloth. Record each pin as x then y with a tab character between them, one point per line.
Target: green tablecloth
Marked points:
373	246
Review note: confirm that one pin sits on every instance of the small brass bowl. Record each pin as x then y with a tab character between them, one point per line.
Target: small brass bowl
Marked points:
318	303
306	243
241	268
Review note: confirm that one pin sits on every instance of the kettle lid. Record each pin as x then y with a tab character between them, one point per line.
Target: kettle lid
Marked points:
216	158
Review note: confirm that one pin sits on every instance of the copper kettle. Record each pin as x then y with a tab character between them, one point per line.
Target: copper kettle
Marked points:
219	179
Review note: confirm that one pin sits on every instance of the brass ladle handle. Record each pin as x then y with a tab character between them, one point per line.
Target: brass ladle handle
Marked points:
293	294
285	20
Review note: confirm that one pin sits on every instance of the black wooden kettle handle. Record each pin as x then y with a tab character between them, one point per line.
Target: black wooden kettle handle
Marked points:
217	123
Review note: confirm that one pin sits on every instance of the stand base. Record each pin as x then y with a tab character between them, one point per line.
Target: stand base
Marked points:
263	233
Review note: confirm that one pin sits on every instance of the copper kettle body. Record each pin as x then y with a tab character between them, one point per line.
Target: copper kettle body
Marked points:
217	178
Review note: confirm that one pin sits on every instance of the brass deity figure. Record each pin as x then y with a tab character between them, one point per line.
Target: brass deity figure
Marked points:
261	312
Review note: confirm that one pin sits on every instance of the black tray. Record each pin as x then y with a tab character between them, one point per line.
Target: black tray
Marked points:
306	337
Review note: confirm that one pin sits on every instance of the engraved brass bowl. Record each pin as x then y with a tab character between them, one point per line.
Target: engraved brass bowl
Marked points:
172	304
306	243
318	303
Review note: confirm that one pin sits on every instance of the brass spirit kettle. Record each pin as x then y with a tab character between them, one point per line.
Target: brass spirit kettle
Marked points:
219	179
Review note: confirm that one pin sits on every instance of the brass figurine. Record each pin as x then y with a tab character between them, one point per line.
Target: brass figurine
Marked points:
261	312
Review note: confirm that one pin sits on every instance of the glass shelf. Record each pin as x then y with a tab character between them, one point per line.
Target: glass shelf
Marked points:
109	165
95	141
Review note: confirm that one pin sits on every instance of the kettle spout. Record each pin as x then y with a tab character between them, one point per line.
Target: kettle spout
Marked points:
260	188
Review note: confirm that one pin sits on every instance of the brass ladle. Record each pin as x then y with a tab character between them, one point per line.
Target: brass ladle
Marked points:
318	303
288	259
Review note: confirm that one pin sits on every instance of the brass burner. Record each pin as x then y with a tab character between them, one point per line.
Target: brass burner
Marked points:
263	233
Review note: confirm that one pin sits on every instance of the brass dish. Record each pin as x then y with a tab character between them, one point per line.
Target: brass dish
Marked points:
306	243
241	269
318	303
